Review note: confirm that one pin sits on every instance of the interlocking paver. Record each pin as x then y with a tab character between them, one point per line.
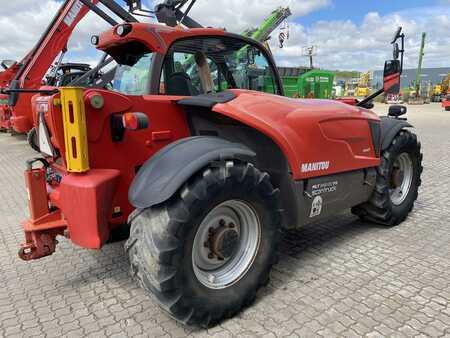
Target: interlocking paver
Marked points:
338	278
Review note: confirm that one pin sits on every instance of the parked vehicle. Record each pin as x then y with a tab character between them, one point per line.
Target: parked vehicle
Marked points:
207	172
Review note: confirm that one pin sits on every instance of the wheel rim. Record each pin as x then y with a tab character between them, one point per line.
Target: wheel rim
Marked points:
401	178
226	244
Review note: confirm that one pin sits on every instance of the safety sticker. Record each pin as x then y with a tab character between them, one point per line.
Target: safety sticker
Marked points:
316	208
323	188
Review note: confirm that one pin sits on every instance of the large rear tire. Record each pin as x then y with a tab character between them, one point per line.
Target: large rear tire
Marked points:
204	253
397	184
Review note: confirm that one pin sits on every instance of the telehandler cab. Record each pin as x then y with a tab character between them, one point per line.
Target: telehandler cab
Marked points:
205	167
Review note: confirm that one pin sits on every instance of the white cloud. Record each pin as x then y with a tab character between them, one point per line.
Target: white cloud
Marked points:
238	15
23	22
345	45
340	44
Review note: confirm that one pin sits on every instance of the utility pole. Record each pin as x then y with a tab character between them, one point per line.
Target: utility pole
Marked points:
310	52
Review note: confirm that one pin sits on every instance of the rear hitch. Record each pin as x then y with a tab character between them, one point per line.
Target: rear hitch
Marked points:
45	223
37	246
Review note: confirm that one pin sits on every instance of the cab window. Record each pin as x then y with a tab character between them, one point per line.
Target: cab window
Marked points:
134	67
204	65
133	79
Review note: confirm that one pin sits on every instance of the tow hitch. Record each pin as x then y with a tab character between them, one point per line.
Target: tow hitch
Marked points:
45	223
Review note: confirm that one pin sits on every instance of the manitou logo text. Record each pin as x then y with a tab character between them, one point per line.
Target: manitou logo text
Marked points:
73	13
316	166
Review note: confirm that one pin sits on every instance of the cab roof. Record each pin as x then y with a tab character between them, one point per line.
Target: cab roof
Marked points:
156	37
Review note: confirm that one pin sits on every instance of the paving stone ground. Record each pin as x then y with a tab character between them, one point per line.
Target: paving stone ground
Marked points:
339	278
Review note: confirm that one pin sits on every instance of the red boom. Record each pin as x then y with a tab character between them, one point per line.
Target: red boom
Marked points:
32	69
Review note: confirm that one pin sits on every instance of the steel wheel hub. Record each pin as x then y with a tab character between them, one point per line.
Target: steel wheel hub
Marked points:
223	241
401	178
226	244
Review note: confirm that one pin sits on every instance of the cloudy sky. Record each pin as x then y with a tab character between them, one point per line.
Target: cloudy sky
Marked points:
348	34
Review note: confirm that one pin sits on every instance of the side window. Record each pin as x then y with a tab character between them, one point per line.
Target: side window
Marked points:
251	70
180	75
133	77
186	67
203	65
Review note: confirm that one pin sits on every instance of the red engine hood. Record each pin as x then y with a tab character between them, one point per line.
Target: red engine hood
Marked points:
309	131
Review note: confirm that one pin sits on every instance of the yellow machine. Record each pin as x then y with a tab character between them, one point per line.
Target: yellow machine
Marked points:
445	84
437	89
363	88
436	93
440	90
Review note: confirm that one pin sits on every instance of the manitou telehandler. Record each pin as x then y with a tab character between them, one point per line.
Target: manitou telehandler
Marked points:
207	172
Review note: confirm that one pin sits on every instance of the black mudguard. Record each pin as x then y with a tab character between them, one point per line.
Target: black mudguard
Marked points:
163	174
390	127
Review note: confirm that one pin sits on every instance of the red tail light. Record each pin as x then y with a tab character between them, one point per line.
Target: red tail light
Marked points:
135	121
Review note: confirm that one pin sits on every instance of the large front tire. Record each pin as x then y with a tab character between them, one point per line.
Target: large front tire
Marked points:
397	184
204	253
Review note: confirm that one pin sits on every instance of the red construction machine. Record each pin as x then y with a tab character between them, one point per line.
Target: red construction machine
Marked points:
446	102
205	167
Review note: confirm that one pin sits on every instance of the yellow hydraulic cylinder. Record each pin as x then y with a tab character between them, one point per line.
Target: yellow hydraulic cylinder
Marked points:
75	133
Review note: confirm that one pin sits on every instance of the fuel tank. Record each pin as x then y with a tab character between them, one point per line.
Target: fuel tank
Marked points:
318	137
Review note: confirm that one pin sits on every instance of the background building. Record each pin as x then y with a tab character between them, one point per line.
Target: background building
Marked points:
435	75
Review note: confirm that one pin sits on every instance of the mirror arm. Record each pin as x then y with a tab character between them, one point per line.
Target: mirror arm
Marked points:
402	52
369	98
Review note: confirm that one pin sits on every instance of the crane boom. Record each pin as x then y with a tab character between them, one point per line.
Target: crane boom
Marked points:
263	32
419	67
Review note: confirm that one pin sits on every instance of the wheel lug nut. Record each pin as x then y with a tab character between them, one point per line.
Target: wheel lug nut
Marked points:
231	225
211	230
206	244
222	223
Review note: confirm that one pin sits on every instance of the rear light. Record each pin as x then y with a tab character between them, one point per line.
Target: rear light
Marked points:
135	121
123	30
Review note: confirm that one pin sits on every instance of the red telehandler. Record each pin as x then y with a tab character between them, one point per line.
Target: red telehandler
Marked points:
204	166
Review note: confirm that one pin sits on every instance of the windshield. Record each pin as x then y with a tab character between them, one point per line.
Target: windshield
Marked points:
133	78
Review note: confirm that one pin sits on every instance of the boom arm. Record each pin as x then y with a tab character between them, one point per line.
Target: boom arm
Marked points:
263	32
53	41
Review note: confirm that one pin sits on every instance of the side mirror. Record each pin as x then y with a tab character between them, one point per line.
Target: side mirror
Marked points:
392	70
397	110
